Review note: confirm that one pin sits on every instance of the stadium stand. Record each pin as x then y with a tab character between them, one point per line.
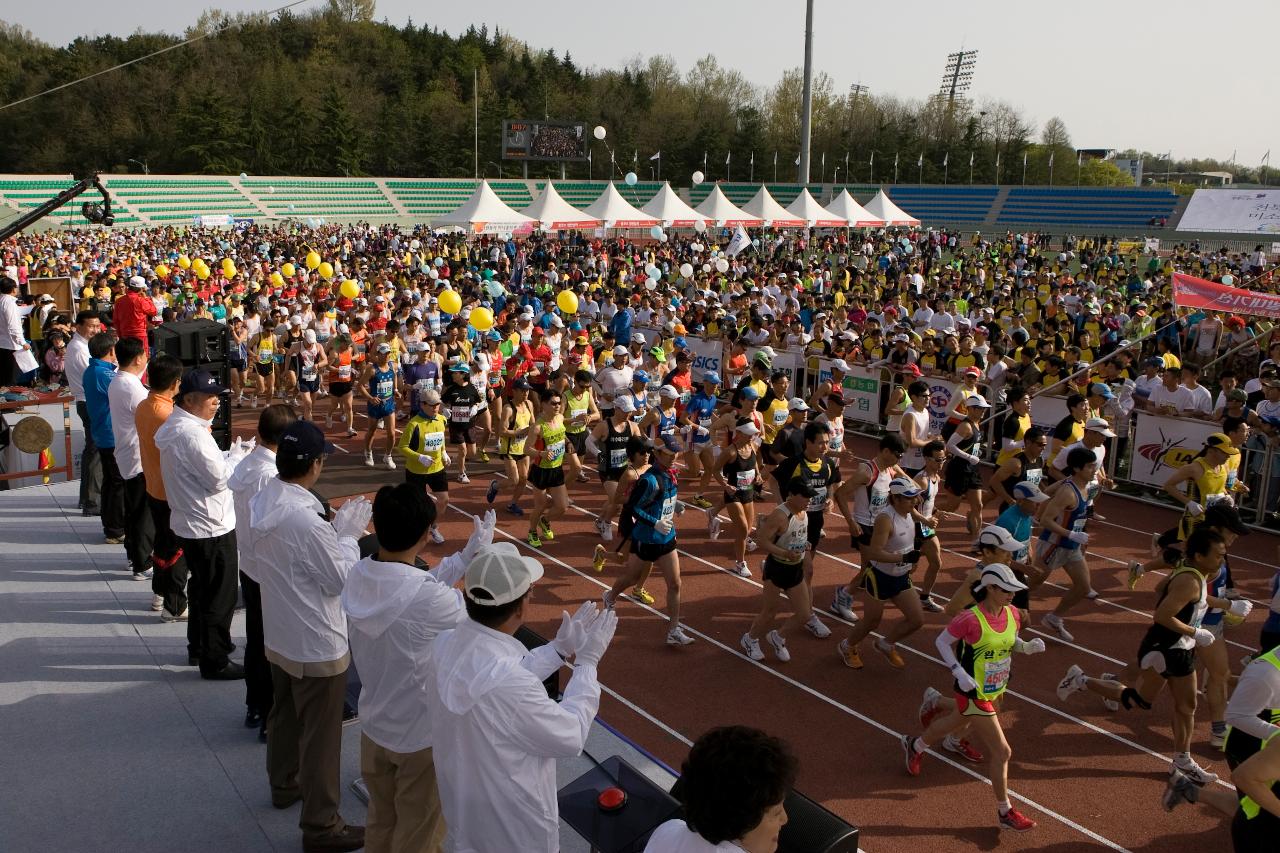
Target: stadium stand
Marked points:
940	204
1100	207
22	192
740	194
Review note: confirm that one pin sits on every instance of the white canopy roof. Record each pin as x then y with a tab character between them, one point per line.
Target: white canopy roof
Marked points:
671	209
718	208
767	208
806	207
881	207
847	206
553	213
616	212
483	213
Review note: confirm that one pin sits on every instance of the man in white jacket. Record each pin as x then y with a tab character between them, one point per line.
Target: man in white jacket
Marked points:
396	606
302	563
496	733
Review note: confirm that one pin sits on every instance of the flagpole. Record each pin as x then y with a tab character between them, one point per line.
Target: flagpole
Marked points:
970	168
751	172
920	168
895	167
1024	168
775	167
873	166
946	167
727	167
997	168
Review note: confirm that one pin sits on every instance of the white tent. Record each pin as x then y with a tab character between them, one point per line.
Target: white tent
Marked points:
483	213
847	206
881	207
720	210
616	212
806	207
767	208
671	209
553	213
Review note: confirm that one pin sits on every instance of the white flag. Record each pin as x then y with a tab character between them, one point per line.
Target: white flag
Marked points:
970	158
727	155
1050	159
797	159
739	242
657	156
753	157
920	161
1024	159
775	158
873	158
946	158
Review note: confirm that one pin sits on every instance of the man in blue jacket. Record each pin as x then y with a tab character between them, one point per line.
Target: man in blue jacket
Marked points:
620	323
97	376
652	504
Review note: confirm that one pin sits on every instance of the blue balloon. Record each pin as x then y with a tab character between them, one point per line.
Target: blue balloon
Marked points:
631	179
439	261
656	232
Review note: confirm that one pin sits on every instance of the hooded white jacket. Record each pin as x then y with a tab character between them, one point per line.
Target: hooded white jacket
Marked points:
195	475
247	480
302	567
497	736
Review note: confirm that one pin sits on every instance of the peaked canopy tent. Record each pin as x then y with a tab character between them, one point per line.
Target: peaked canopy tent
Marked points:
806	207
886	210
671	210
858	216
616	212
774	215
484	213
552	213
717	207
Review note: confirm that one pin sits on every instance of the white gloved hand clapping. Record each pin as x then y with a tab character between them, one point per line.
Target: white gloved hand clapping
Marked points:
481	535
598	635
352	518
573	629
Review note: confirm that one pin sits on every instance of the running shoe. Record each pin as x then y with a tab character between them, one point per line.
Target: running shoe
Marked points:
436	536
157	603
930	707
1016	820
890	653
1217	739
700	502
927	602
713	527
751	544
605	529
144	575
166	616
962	748
597	558
1155	545
1092	594
545	526
368	460
492	492
740	569
814	626
849	655
463	478
533	539
351	433
677	637
583	478
912	757
1110	704
389	461
779	644
484	456
1135	574
643	595
1055	624
1179	789
607	601
842	605
1187	767
514	508
751	646
1072	682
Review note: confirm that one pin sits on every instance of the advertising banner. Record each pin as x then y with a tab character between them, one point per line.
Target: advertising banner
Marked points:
1162	444
861	388
940	391
1192	292
1242	211
707	356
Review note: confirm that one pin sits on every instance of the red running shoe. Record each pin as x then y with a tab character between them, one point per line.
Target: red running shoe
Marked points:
912	757
964	749
1016	820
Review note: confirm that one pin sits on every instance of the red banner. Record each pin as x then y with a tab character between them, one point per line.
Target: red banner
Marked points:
1192	292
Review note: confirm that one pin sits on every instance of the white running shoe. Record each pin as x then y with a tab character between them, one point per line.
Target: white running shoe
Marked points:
842	605
677	637
464	479
1092	594
1194	771
368	460
713	527
1055	624
1072	682
749	645
740	569
751	544
389	461
436	536
157	603
779	644
814	626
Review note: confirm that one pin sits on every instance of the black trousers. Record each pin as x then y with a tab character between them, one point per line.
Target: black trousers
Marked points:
257	672
170	578
90	467
139	531
211	589
8	367
112	500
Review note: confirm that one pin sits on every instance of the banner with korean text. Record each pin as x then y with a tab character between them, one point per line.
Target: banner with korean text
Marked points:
1192	292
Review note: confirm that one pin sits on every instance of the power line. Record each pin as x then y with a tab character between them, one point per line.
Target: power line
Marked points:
134	61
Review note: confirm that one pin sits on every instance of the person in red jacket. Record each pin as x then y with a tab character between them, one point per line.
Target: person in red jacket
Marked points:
134	311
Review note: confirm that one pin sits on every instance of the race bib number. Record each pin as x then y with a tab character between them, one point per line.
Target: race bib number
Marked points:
669	510
386	389
577	413
344	372
617	458
1034	475
995	675
433	442
746	478
460	414
309	373
265	356
818	503
780	417
555	451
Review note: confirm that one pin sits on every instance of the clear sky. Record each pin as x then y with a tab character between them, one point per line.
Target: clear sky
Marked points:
1170	75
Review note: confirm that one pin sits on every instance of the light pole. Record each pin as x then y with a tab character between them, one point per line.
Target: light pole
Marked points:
146	170
806	101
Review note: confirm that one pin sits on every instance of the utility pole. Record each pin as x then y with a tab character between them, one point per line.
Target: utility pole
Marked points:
806	108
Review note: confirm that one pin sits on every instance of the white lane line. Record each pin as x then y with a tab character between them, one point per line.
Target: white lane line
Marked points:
643	713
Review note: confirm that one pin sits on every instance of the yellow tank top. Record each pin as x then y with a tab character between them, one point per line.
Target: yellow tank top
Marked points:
1024	424
266	349
576	405
552	438
1210	485
424	436
989	660
515	446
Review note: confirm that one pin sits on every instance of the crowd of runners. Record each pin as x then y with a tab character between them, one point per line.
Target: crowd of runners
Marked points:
581	360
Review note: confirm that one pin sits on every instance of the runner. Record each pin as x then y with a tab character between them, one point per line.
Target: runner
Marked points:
699	413
934	456
638	451
1023	464
422	445
582	415
513	433
263	347
915	426
738	472
609	439
869	487
784	536
341	374
378	387
550	497
962	476
309	359
460	398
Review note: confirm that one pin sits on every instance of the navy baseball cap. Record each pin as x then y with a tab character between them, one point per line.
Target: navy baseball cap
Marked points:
200	382
303	441
669	444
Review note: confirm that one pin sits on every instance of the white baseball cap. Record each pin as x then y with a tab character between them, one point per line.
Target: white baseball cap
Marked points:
797	405
904	487
994	536
998	575
624	404
669	391
499	574
1025	491
309	336
840	364
1100	426
138	282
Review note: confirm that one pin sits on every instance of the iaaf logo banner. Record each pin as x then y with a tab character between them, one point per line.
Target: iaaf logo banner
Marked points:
1166	453
1163	444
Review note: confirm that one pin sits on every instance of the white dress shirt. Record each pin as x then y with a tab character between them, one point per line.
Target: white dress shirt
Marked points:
123	396
195	476
245	481
11	334
302	566
75	362
496	737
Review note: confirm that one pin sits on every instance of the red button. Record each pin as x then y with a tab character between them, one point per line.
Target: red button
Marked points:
611	799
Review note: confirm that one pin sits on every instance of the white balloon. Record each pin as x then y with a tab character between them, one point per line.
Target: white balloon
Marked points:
700	225
271	190
722	265
243	175
652	271
697	247
698	177
656	232
663	238
686	270
599	131
433	273
630	178
650	284
706	267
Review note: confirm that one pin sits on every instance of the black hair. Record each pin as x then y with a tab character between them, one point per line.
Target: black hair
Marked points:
813	429
101	344
1014	393
1230	423
163	371
893	441
1074	400
128	350
274	420
637	444
7	285
799	487
779	374
1033	434
1200	540
83	317
402	515
546	393
733	775
917	388
491	615
1078	458
582	376
932	447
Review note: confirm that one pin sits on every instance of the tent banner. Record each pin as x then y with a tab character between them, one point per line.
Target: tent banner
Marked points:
1192	292
1240	211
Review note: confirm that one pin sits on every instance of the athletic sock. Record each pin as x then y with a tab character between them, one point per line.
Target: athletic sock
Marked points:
1004	808
1182	759
918	745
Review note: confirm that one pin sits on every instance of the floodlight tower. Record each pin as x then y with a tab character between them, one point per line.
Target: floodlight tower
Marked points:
958	75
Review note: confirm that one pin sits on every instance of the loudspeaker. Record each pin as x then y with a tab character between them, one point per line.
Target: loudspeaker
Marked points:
193	342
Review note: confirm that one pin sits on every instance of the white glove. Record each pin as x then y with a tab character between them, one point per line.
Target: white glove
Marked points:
352	518
598	635
663	526
702	430
964	680
445	457
1079	537
425	461
573	629
481	535
1241	608
1204	637
1031	647
238	451
1194	508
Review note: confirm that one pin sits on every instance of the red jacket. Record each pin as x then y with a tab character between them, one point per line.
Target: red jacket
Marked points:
132	315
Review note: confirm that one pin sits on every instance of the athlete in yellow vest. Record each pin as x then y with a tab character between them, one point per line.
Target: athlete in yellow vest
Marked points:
546	474
422	446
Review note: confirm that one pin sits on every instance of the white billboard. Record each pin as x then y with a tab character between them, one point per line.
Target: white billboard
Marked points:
1238	211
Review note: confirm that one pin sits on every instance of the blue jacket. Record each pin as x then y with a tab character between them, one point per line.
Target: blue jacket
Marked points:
654	497
96	379
620	325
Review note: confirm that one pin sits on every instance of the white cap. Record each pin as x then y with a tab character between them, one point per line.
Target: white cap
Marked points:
1026	491
976	402
295	320
797	405
747	428
620	352
343	328
1100	426
138	282
625	404
998	575
840	364
903	487
309	336
557	322
669	391
994	536
637	338
499	574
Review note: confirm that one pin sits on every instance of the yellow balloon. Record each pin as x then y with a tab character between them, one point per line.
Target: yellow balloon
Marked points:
313	260
199	264
202	273
567	300
184	262
162	271
229	270
325	269
277	280
481	319
349	289
450	302
287	270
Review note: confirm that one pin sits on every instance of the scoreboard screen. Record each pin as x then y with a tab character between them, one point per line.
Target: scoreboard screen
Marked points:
544	140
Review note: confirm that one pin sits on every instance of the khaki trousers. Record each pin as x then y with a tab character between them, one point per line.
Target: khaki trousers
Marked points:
404	800
304	746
